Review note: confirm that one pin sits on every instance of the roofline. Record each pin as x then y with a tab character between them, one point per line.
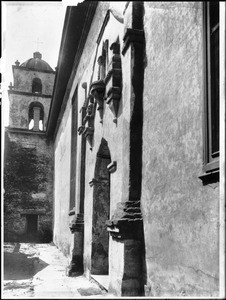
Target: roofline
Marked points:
74	36
32	69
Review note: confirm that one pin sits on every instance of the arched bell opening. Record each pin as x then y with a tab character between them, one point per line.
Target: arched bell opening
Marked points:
36	116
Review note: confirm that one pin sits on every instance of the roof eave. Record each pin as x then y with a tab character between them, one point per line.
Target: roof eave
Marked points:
75	22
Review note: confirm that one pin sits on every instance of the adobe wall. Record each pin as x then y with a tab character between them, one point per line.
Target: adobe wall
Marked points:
23	80
19	115
180	214
28	185
117	138
62	148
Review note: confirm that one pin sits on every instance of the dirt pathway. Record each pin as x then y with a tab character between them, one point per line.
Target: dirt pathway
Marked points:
39	271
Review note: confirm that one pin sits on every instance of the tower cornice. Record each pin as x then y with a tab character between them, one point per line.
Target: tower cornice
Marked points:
29	94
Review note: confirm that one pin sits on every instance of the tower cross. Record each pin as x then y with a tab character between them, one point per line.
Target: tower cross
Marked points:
38	42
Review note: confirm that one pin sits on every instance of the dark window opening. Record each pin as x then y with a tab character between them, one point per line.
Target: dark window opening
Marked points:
37	85
74	125
32	227
211	153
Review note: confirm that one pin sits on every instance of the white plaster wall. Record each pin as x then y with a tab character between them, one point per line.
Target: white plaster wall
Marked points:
19	109
23	80
115	134
180	214
111	132
62	234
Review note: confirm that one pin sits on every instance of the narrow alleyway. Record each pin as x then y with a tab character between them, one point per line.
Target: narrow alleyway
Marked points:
39	271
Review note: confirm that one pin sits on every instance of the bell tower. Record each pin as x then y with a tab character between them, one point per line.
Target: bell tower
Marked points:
28	158
31	94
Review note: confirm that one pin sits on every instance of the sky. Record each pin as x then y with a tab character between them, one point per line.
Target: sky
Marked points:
29	26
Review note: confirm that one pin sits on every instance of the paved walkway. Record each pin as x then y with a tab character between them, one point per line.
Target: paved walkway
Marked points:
39	271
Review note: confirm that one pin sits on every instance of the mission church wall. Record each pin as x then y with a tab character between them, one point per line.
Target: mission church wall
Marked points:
114	134
162	220
180	213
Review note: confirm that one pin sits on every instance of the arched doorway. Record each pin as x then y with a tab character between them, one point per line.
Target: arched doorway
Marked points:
101	211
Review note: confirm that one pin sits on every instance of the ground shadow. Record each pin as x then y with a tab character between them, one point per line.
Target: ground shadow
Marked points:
91	291
21	266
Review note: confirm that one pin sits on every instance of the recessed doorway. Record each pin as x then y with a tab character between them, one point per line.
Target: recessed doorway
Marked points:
31	227
101	212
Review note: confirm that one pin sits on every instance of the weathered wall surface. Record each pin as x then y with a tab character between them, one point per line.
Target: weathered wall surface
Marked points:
62	234
19	109
23	80
101	213
180	214
113	133
124	258
28	185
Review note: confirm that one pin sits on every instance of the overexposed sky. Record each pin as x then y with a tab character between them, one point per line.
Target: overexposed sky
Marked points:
26	22
23	24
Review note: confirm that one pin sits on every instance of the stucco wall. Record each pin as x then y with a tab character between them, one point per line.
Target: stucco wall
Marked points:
113	133
23	80
180	214
28	185
62	234
19	109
